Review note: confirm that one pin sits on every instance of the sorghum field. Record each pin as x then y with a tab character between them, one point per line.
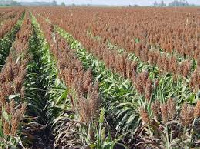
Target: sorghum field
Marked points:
99	78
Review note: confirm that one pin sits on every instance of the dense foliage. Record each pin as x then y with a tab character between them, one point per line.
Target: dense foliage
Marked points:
109	78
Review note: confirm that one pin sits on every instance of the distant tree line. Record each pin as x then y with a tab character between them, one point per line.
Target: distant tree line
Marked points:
15	3
174	3
179	3
9	3
162	4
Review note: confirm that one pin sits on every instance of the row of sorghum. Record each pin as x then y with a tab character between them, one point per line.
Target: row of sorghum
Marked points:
123	30
12	78
169	36
168	111
169	120
86	100
168	29
9	23
163	61
118	63
7	13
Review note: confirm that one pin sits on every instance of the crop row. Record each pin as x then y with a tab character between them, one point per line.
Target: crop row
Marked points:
111	58
12	91
142	49
9	23
122	64
8	13
69	84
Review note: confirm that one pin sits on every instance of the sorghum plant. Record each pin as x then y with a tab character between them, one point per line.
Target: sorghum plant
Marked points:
169	126
11	88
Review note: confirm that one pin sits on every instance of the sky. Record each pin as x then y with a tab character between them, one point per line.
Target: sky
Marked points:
112	2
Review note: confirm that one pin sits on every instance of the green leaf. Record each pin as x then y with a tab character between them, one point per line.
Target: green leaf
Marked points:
5	115
13	96
102	115
191	98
